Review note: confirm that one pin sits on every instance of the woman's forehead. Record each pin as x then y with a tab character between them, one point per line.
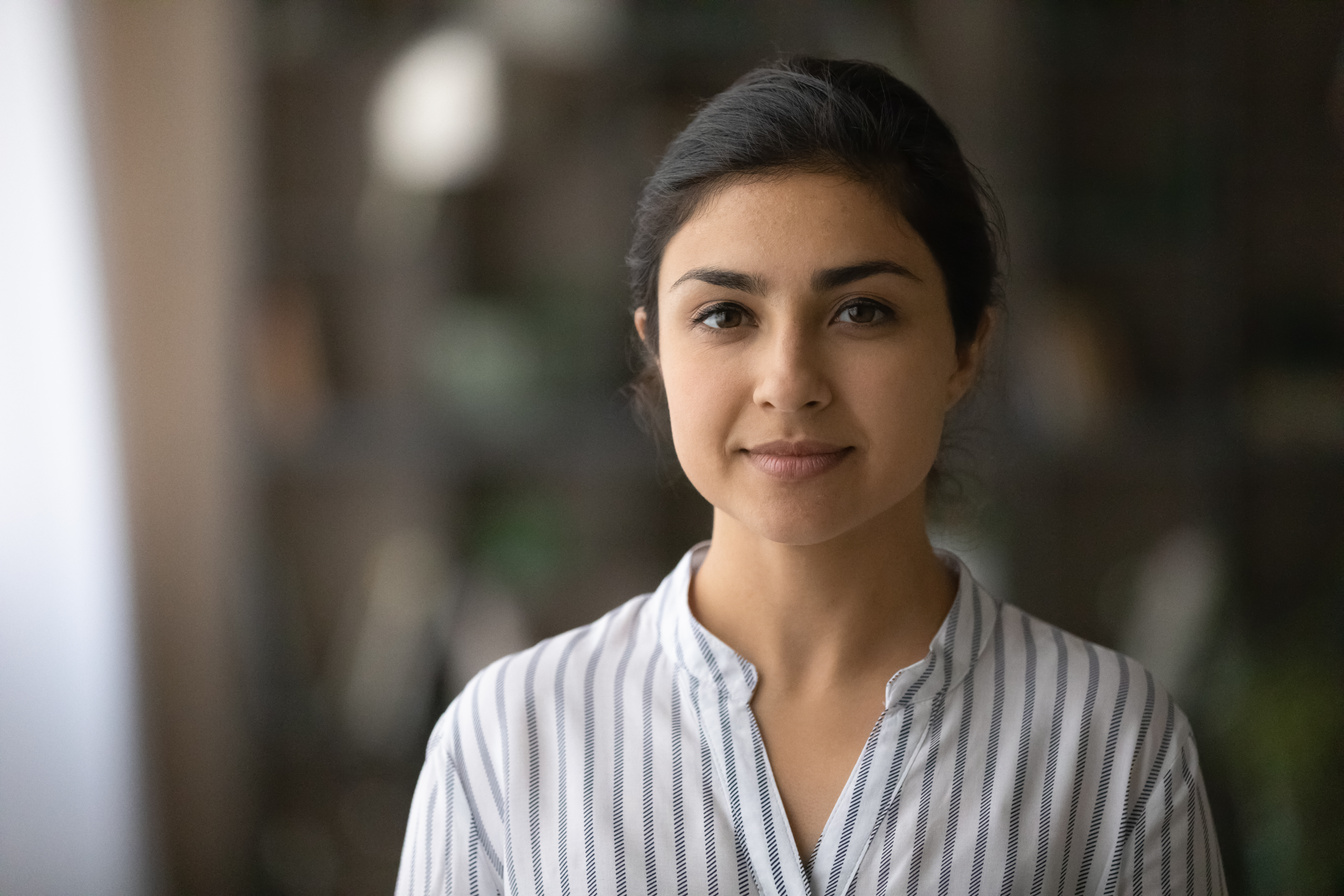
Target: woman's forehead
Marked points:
793	227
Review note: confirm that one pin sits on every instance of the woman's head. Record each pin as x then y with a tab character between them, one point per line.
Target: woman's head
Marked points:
812	270
808	358
852	119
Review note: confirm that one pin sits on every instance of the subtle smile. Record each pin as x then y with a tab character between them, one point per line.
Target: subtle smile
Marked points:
792	461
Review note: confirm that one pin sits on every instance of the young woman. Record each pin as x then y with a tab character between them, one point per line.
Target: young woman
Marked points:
814	701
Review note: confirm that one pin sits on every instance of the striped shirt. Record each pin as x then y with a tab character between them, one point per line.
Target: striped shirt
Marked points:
623	758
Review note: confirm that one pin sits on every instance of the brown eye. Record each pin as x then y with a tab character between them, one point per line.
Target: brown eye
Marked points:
863	313
721	317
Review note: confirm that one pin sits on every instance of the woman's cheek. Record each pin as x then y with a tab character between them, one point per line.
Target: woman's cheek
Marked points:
692	416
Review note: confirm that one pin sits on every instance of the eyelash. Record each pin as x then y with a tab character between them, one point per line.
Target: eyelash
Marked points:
705	314
884	313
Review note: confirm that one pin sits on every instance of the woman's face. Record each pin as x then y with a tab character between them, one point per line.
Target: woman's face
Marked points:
808	355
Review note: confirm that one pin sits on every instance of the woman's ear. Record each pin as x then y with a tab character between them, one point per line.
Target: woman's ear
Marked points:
971	358
642	323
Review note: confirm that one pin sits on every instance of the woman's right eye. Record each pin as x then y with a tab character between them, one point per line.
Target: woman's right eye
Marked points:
720	317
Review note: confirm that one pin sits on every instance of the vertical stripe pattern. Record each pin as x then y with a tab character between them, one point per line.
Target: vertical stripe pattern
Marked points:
623	758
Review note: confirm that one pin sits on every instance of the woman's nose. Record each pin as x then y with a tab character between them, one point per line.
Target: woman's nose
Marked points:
790	377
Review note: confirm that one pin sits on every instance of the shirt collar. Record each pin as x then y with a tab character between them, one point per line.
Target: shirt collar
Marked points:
953	652
695	647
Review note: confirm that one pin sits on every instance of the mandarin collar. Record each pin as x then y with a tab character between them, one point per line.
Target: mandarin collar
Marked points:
953	652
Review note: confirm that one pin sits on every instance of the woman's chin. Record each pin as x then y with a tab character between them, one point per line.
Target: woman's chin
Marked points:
804	521
798	527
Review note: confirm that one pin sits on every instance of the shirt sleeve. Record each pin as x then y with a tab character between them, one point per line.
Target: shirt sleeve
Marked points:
1171	847
443	852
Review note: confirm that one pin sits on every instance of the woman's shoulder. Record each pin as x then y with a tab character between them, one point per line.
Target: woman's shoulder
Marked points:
1076	691
1029	635
505	699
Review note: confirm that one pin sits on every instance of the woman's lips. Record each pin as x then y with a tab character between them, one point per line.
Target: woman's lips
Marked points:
796	460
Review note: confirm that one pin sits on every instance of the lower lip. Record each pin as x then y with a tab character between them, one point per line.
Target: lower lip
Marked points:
792	467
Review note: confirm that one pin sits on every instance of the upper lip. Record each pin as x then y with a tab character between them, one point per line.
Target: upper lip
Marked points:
801	448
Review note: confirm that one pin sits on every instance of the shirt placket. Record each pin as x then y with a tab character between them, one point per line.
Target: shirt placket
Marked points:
744	786
871	799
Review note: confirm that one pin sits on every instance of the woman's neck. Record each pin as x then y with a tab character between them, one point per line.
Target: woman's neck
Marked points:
861	606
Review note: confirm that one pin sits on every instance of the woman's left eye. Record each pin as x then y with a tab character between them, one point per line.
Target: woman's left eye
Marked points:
863	313
721	317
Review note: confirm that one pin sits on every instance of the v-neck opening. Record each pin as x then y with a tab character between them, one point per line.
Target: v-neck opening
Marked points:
725	684
809	862
845	798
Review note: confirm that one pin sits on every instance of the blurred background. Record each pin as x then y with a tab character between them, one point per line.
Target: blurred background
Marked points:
313	335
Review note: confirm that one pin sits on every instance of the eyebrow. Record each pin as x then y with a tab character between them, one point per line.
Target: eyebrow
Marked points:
834	278
822	281
734	280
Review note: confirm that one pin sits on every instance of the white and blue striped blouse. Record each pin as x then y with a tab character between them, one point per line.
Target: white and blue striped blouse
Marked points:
623	758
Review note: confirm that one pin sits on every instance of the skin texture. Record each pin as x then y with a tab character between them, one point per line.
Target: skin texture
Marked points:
803	308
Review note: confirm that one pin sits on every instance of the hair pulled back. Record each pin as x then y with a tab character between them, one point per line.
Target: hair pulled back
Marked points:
849	118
